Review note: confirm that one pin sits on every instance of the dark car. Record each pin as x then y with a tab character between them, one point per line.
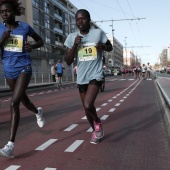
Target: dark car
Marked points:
168	71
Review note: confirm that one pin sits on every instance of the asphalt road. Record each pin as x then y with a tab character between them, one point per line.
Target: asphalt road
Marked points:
131	112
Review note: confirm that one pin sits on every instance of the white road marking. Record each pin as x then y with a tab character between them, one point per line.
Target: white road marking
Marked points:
97	109
104	117
114	97
110	100
46	144
50	168
121	100
104	104
71	127
42	92
112	110
84	117
117	104
49	91
74	146
33	94
89	130
125	97
13	167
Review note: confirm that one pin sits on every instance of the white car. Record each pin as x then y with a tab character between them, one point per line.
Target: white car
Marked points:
108	72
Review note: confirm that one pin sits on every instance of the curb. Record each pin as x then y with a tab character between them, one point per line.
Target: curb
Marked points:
166	107
164	94
7	92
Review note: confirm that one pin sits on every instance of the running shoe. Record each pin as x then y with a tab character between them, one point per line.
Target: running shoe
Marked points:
99	132
40	119
7	151
94	140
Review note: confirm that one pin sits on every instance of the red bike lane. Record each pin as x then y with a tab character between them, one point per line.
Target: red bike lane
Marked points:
135	136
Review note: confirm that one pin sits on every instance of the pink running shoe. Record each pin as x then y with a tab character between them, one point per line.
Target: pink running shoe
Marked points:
94	140
99	132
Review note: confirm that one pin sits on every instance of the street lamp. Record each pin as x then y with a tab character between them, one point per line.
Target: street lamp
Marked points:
113	51
126	51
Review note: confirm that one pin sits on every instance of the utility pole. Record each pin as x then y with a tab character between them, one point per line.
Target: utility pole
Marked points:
126	51
131	19
69	31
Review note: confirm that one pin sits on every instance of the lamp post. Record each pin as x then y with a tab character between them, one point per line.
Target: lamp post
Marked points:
69	31
126	51
113	51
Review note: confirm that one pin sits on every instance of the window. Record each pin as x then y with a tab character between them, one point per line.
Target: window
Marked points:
46	7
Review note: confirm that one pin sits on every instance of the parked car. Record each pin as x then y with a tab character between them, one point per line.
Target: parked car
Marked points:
168	71
107	72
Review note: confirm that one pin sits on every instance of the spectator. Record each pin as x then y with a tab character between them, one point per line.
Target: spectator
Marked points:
59	70
53	73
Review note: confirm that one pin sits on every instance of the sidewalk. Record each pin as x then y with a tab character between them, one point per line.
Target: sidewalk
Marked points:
164	86
5	91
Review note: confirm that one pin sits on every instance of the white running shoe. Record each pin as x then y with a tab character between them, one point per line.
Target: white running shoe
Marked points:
7	151
40	119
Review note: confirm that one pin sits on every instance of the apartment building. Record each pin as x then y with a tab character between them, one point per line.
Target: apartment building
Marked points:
53	20
115	57
130	59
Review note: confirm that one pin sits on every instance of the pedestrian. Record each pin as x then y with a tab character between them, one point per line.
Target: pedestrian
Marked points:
53	72
59	67
144	71
17	65
88	45
139	70
123	70
135	71
148	68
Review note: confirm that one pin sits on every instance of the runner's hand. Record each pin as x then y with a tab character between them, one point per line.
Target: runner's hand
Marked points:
28	47
77	40
101	47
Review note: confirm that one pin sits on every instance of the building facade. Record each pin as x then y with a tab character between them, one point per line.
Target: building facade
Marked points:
114	59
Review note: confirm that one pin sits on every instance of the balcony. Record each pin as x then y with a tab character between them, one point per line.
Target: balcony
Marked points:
58	30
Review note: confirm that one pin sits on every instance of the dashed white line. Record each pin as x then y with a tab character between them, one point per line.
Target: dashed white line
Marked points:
110	100
104	117
84	117
71	127
13	167
112	110
74	146
104	104
46	144
121	100
97	109
117	104
50	168
89	130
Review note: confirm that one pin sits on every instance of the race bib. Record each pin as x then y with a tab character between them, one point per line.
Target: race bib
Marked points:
14	43
87	52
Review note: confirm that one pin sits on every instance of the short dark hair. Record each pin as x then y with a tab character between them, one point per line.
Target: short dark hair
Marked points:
83	11
16	5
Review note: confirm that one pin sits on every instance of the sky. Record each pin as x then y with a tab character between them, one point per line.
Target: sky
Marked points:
147	35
